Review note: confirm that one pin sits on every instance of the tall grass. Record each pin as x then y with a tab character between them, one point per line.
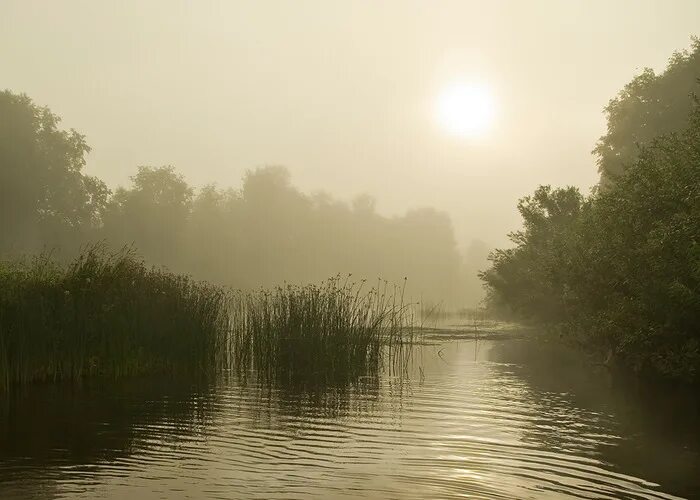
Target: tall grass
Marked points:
109	315
105	315
330	333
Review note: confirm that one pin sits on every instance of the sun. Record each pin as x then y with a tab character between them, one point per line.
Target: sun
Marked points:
466	110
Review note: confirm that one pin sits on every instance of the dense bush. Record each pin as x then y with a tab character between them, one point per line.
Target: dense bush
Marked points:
621	269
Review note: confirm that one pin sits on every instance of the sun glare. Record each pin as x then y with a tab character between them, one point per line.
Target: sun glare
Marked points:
466	110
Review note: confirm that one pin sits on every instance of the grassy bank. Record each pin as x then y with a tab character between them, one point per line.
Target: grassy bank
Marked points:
105	315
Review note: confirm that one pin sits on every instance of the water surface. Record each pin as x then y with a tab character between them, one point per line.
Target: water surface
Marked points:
491	418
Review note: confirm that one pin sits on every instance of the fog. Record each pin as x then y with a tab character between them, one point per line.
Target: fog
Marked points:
343	96
349	248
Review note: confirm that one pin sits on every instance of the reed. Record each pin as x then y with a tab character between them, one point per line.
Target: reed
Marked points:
105	314
109	315
327	334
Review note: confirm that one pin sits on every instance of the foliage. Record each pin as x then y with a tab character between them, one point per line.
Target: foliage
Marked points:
529	279
649	106
43	192
620	270
105	315
641	280
153	213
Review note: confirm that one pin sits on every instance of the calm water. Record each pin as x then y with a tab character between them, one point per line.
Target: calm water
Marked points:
504	418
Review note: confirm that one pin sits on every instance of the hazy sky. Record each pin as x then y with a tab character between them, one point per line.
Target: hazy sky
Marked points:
343	93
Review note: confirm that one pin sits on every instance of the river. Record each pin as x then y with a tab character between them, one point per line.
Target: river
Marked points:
495	416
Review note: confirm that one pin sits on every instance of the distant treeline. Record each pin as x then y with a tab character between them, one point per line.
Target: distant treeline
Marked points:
619	270
262	234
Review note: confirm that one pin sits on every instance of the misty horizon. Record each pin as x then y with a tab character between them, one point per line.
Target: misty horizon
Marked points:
321	90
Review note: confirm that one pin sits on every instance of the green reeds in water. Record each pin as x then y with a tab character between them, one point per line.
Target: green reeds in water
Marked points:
106	315
320	335
109	315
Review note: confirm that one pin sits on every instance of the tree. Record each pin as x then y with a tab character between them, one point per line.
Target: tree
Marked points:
43	190
649	106
531	278
265	233
640	293
152	214
619	271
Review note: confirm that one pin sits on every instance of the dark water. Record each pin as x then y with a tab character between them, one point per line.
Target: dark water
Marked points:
505	418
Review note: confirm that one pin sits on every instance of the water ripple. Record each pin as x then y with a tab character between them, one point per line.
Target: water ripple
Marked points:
469	428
